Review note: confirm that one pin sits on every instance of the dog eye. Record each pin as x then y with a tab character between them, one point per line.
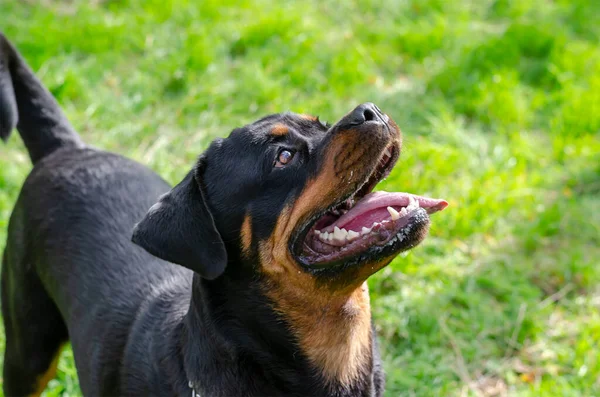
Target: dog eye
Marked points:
283	158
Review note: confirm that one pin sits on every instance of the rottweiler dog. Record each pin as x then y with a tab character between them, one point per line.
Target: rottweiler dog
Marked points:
245	279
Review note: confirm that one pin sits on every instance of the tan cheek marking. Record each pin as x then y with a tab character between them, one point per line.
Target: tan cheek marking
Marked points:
42	381
322	189
279	130
308	117
246	234
271	263
316	192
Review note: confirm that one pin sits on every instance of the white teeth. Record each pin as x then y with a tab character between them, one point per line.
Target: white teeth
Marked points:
403	211
395	214
387	152
352	235
339	237
340	234
412	203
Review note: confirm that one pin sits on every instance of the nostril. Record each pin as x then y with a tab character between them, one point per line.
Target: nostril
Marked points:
369	114
364	113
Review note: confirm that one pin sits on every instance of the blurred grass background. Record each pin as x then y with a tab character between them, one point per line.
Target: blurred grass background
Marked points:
499	101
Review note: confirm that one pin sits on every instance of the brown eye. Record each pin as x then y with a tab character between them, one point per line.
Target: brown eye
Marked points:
283	158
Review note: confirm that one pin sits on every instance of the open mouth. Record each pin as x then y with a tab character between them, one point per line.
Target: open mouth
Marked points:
366	225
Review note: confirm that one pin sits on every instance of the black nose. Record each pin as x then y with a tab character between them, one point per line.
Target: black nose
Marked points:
366	112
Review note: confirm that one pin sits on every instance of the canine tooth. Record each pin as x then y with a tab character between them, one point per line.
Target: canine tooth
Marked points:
340	234
365	230
352	235
395	214
412	203
387	152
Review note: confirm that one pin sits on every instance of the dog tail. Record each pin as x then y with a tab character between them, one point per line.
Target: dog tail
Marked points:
26	104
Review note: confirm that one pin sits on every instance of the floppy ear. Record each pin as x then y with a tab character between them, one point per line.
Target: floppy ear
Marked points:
181	229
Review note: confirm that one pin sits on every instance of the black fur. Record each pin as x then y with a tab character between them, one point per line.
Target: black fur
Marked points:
181	229
140	325
40	121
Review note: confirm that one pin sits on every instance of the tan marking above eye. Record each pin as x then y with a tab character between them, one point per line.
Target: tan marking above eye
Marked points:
279	130
308	117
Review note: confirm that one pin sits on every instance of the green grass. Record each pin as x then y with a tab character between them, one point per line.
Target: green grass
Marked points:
499	102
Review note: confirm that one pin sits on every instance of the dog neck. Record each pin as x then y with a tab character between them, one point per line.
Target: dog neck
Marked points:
333	331
242	334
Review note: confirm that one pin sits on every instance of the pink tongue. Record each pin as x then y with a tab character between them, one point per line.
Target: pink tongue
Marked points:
373	208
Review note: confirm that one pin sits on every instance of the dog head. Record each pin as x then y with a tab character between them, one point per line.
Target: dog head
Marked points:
289	194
